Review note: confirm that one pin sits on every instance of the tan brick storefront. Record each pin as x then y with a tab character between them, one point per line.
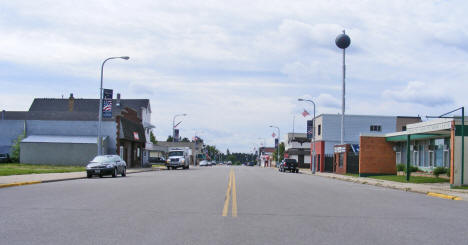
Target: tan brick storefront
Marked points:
376	156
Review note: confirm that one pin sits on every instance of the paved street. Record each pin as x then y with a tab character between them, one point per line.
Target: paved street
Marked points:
187	207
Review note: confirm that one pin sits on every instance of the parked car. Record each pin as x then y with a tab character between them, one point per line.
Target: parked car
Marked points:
157	160
204	163
251	164
4	158
288	164
106	165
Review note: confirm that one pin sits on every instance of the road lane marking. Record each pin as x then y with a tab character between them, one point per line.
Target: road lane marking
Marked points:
234	196
228	195
231	191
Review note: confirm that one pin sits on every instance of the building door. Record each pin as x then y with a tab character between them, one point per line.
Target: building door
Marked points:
301	160
319	163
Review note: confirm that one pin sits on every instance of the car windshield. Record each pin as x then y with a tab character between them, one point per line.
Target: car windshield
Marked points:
101	159
290	160
2	155
176	153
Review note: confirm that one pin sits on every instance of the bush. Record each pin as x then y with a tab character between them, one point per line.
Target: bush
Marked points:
439	170
400	167
15	149
414	169
448	172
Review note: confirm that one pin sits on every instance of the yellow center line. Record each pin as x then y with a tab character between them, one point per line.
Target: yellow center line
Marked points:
228	192
234	196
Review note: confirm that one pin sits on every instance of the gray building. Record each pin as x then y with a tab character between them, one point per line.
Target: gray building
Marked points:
126	132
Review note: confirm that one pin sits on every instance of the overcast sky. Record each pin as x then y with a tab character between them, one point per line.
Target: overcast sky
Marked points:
236	67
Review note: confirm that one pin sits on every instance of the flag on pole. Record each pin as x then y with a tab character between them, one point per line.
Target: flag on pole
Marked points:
305	113
273	135
175	126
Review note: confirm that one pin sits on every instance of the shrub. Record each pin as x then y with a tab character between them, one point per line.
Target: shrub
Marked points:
439	170
15	149
400	167
414	169
448	172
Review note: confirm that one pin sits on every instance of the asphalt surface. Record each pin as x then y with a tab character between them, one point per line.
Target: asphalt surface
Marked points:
186	206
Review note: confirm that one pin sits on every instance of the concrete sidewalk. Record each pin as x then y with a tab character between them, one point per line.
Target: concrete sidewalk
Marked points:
432	189
27	179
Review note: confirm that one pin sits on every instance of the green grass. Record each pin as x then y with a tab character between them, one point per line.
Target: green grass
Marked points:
158	166
352	175
460	187
17	168
413	179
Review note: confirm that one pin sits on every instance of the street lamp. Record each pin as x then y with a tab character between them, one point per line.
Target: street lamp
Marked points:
343	41
100	102
312	167
277	148
259	160
173	124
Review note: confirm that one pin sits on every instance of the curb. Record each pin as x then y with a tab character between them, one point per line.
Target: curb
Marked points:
58	180
440	195
357	181
20	183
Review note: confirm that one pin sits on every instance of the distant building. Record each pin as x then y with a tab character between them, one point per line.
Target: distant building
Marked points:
266	156
328	131
298	147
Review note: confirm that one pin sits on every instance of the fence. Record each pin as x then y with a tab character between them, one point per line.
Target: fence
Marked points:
328	167
352	163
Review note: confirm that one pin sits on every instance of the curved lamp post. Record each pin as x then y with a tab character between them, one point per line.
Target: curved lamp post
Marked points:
277	148
100	102
173	124
343	41
312	167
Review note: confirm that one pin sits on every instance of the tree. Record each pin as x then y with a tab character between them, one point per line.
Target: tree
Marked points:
227	152
15	149
281	152
153	138
185	139
169	138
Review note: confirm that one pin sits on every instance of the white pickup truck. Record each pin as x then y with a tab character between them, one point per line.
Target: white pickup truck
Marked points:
179	157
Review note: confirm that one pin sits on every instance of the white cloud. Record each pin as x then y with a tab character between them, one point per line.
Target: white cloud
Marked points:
236	66
420	93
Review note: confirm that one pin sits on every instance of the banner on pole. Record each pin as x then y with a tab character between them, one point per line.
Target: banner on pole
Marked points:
310	129
107	103
276	143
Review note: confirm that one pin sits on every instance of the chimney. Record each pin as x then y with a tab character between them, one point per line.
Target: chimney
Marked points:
71	102
117	103
3	115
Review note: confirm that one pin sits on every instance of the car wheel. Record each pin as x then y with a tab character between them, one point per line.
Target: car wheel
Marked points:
168	168
89	175
124	172
114	174
100	175
188	167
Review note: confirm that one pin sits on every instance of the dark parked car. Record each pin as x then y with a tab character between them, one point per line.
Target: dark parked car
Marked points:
106	165
251	164
4	157
157	160
288	164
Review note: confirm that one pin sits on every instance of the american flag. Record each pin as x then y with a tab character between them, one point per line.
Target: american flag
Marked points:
305	113
107	105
